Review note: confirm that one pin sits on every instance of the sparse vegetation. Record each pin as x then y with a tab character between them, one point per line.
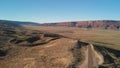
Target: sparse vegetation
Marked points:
111	57
105	41
15	41
102	37
77	51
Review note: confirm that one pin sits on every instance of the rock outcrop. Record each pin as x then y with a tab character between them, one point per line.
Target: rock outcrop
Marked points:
104	24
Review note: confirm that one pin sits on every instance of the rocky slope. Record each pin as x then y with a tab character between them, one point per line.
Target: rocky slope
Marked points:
105	24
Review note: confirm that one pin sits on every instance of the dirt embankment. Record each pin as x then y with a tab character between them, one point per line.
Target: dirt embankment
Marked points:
98	55
111	57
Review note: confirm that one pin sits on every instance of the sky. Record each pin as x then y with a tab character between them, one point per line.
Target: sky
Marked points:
45	11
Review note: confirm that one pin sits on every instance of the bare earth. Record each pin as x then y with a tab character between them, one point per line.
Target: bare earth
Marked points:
91	57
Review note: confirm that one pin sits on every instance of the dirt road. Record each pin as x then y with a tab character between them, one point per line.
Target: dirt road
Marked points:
90	58
92	62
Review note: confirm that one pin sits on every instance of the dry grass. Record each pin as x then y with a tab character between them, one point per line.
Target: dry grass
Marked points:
26	50
55	54
109	38
99	37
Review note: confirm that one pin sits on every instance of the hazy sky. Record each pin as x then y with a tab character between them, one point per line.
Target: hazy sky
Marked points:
59	10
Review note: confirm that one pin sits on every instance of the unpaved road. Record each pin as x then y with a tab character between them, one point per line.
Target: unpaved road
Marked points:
90	58
92	62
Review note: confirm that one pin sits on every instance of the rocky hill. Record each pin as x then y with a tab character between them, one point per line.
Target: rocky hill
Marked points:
105	24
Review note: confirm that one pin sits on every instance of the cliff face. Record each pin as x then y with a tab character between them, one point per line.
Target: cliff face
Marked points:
106	24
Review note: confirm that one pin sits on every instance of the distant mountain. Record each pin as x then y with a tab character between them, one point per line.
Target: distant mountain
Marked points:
18	22
102	24
105	24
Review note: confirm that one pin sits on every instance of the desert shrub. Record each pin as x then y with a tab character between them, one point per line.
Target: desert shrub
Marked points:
111	56
9	32
16	41
32	39
51	35
3	53
77	54
4	49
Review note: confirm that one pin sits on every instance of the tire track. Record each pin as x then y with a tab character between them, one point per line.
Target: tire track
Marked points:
91	58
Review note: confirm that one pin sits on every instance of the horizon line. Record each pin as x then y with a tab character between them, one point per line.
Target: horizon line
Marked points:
60	21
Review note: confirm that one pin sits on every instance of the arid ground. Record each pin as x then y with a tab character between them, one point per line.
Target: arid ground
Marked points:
101	37
58	47
105	42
